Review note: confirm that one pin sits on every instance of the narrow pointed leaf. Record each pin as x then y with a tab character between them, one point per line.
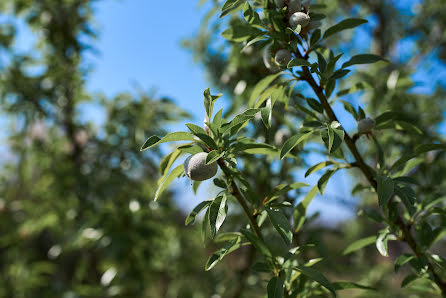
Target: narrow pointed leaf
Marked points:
171	137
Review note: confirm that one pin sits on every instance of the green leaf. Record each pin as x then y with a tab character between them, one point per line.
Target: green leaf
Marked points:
239	33
350	108
385	189
401	260
315	105
168	160
343	25
229	6
315	37
339	74
217	214
190	219
209	101
222	252
257	243
202	135
171	137
213	156
239	121
317	167
260	86
408	279
355	88
418	150
266	114
363	59
298	62
322	62
322	183
293	142
169	178
250	15
358	244
281	224
275	287
191	148
344	285
316	276
335	136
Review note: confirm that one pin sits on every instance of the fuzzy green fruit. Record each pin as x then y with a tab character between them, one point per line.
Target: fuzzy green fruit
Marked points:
282	57
196	168
366	125
268	59
299	18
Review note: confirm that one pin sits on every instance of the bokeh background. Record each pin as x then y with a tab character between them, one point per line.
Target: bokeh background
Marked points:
83	83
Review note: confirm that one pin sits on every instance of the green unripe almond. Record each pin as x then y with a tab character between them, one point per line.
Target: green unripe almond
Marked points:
366	125
299	18
282	57
196	168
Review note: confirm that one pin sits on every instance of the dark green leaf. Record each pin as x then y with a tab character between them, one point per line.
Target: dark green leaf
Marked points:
213	156
239	33
275	287
316	276
222	252
315	105
317	167
281	224
359	244
298	62
251	16
363	59
190	219
343	25
217	214
171	137
322	183
261	86
293	142
257	243
230	5
408	279
168	179
202	135
344	285
401	260
385	189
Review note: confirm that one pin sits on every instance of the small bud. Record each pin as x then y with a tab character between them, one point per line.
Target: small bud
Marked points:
196	168
280	3
366	125
282	57
299	18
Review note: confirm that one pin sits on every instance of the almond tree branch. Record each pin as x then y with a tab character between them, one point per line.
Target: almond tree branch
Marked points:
404	228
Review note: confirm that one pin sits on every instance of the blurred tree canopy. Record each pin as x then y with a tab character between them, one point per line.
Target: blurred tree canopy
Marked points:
77	217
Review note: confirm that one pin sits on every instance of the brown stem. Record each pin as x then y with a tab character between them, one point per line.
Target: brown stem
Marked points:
405	229
238	195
